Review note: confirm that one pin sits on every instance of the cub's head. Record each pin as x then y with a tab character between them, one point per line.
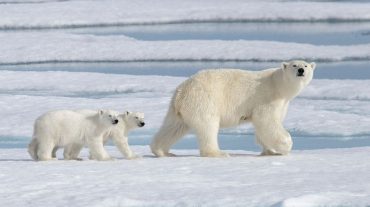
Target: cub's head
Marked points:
298	71
108	116
133	119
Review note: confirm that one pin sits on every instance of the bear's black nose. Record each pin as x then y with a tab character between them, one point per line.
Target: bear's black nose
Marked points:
300	70
115	121
142	124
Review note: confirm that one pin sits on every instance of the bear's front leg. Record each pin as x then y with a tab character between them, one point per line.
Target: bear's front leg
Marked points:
123	147
97	151
278	142
270	133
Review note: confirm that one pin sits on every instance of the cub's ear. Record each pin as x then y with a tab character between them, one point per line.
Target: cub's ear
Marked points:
313	65
100	112
125	113
284	65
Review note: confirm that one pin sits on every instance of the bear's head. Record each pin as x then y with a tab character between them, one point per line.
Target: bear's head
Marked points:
133	119
108	116
298	71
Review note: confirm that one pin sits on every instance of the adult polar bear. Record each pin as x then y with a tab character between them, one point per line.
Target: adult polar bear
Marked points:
213	99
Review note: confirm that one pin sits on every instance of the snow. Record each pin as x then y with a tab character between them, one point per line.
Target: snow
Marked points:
59	14
325	199
43	47
24	97
335	177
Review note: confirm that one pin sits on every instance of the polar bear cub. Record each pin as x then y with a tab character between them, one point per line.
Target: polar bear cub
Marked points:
214	99
127	121
70	130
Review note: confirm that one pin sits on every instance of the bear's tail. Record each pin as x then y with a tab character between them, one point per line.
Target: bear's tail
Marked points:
172	129
32	149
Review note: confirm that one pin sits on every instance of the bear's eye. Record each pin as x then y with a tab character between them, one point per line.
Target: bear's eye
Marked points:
294	65
305	66
136	117
110	115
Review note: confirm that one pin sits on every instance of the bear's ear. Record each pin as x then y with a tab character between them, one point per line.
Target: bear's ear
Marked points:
100	112
124	114
313	65
284	65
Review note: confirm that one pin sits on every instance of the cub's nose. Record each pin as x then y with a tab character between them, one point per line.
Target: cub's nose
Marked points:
300	70
142	124
115	121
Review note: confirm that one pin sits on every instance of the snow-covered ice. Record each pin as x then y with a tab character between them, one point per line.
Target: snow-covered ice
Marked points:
335	177
40	46
37	47
54	14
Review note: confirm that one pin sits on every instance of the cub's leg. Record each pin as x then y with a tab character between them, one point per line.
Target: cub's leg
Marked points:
72	151
97	150
45	150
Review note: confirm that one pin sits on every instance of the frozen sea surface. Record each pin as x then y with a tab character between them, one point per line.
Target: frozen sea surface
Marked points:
72	14
316	33
26	48
335	177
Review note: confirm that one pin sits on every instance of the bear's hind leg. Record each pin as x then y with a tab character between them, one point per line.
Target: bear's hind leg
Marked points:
32	149
172	130
45	151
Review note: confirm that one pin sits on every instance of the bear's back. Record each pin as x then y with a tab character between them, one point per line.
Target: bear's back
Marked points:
228	74
60	116
223	80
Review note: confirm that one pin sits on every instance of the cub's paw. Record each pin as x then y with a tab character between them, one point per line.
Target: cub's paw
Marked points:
161	153
215	154
268	152
133	157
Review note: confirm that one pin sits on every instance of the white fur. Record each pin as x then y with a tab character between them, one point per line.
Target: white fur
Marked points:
127	121
71	130
213	99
